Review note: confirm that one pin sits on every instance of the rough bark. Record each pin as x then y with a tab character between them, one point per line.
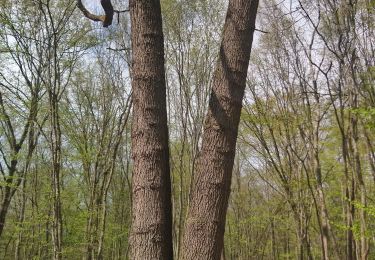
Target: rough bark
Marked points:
204	228
151	232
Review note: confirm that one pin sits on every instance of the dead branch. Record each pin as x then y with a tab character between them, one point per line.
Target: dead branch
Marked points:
108	10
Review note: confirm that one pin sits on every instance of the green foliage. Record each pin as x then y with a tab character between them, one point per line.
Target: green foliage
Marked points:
275	185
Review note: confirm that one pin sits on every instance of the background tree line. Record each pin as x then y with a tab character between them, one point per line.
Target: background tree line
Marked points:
303	179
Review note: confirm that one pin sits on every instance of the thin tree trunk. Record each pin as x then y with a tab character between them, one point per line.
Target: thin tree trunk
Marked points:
362	188
8	194
17	250
349	197
31	147
371	154
151	232
55	140
204	228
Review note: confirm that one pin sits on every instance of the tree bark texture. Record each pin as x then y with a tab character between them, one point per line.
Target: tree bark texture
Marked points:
151	232
204	228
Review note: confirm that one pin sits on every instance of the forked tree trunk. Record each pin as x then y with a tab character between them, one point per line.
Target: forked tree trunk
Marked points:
151	232
204	228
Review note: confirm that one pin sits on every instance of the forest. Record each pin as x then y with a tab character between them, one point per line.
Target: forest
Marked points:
187	129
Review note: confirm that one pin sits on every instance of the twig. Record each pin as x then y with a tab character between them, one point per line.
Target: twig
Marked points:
258	30
122	49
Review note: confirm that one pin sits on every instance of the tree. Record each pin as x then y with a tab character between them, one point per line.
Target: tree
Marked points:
205	224
151	234
190	56
98	112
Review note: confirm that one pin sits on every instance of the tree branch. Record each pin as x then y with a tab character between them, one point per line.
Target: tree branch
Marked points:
105	19
114	49
108	9
258	30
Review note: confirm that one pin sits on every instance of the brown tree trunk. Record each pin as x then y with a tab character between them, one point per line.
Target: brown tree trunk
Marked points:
8	194
151	232
357	169
55	139
204	228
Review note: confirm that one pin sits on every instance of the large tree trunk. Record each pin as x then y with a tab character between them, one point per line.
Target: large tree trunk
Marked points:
204	229
151	233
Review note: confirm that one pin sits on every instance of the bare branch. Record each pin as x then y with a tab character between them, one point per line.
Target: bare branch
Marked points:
93	17
121	11
121	49
258	30
108	9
